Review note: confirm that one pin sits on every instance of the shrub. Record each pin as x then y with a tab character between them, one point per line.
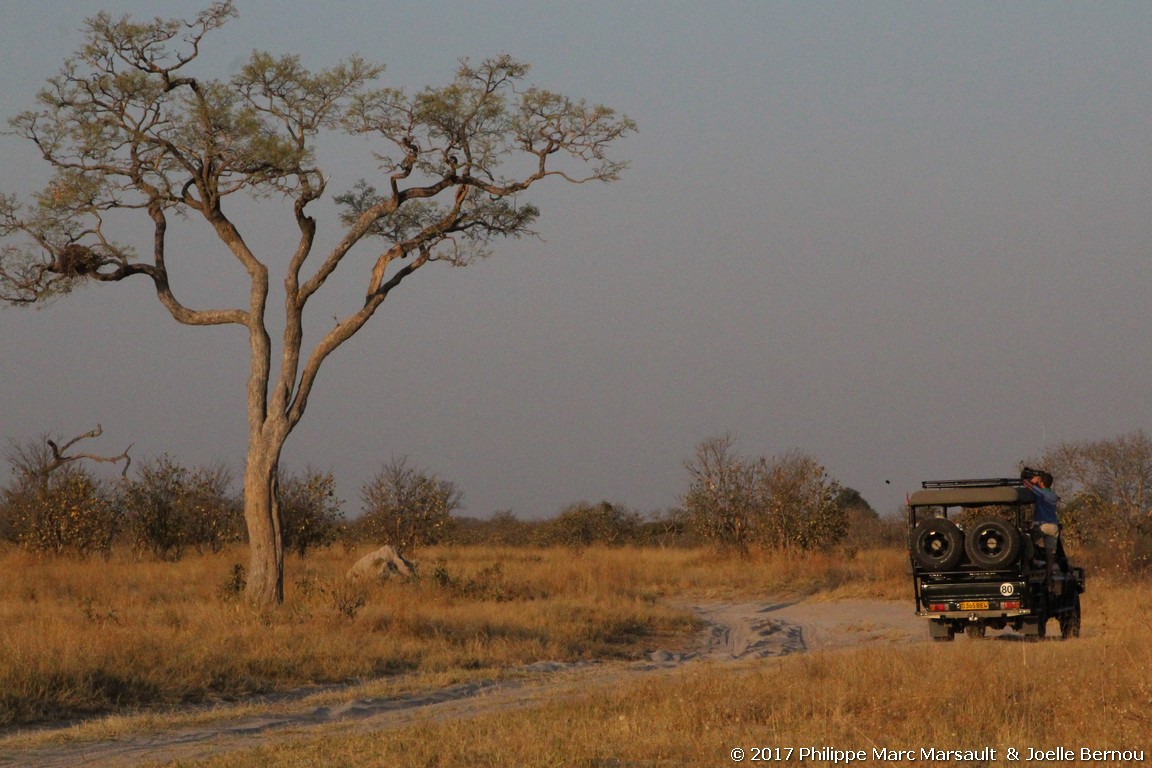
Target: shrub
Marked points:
170	508
584	524
53	504
671	527
233	587
68	512
6	512
783	503
800	504
408	507
503	528
310	512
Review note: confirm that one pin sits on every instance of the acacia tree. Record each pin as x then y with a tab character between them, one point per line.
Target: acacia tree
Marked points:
129	128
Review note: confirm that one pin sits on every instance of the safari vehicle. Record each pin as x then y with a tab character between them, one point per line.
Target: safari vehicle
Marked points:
976	564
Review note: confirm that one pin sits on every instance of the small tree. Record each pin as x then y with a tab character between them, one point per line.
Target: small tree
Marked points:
311	511
408	507
788	502
134	136
669	527
53	504
721	499
35	460
800	508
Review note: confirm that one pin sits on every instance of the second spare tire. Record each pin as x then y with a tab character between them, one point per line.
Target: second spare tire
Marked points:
992	542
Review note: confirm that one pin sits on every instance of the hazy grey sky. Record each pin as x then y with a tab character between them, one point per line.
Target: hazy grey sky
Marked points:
909	238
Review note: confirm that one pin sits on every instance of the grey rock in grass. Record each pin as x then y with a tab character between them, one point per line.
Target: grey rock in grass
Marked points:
382	564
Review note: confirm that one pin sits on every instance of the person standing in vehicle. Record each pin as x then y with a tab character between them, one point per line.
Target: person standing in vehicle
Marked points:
1040	483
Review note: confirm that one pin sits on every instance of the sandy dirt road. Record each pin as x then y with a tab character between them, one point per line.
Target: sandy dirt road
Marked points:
733	632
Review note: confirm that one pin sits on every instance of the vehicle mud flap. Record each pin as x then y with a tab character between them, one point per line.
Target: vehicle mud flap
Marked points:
992	542
941	631
936	544
1034	627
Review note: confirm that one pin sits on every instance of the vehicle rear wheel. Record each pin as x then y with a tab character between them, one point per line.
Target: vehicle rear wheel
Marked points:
992	542
1070	621
937	544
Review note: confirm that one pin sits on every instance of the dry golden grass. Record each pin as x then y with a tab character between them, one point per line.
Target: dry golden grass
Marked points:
969	695
101	636
92	637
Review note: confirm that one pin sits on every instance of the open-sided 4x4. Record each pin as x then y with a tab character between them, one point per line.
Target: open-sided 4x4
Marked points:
976	565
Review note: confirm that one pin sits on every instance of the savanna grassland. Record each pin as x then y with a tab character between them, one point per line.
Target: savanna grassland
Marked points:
1093	693
96	637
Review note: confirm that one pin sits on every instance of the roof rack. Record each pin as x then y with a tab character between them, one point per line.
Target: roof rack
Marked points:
987	482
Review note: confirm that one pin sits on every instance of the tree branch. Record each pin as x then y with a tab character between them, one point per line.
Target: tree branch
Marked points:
59	458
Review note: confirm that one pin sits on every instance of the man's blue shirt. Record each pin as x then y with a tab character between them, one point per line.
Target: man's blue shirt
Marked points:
1046	500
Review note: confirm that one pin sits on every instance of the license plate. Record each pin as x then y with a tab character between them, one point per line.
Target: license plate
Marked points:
974	605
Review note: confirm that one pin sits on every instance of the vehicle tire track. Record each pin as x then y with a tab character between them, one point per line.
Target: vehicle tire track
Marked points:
733	632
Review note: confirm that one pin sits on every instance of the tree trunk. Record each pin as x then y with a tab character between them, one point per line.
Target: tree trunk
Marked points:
262	515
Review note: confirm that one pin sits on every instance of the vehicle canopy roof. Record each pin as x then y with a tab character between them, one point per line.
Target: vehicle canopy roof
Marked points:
970	493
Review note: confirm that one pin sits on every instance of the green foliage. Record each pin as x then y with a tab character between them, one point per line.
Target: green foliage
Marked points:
408	507
788	502
70	512
170	508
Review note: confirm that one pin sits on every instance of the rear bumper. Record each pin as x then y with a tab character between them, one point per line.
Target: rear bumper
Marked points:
976	615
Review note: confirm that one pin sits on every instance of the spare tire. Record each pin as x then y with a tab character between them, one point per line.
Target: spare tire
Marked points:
936	544
992	542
